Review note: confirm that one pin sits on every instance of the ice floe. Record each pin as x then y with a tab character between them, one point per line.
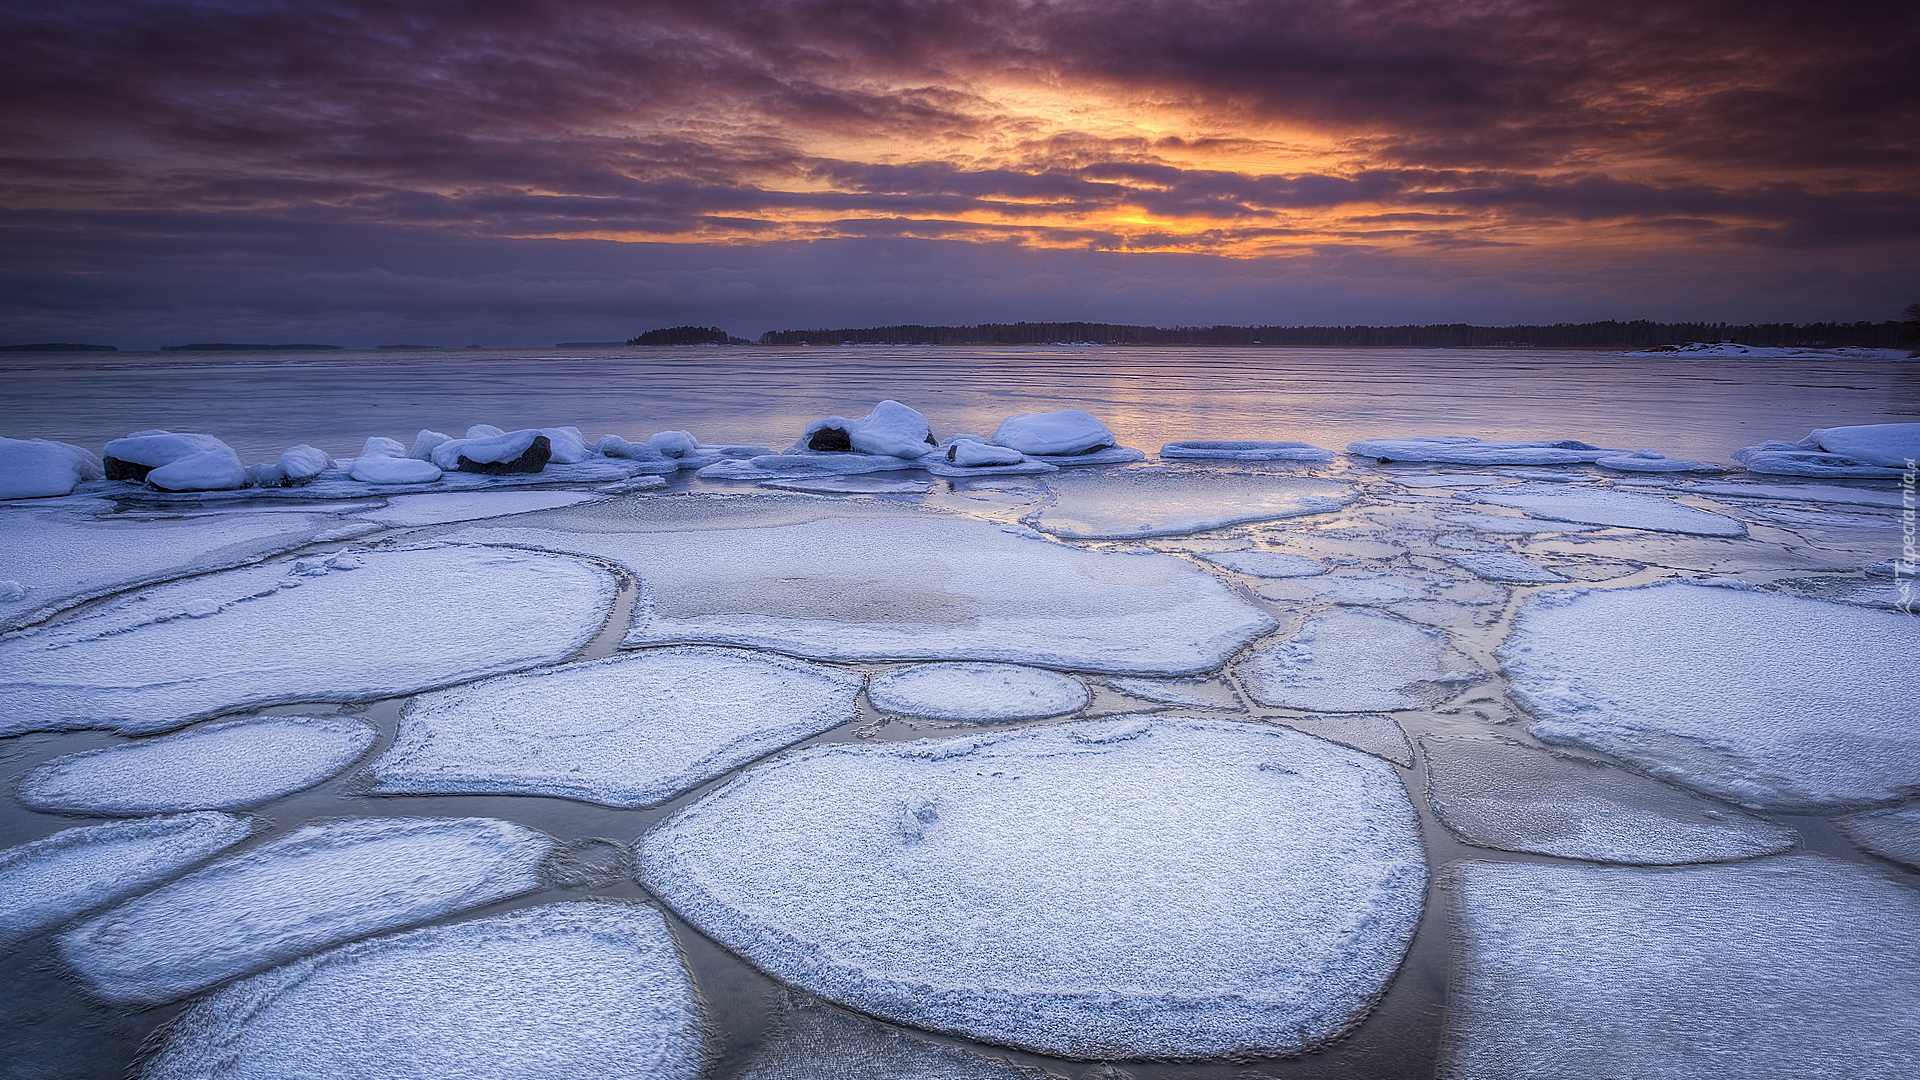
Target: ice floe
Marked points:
802	465
1067	432
1376	735
59	878
344	627
1495	523
1601	506
628	731
1161	501
1266	564
1869	451
1498	566
1776	969
1890	834
1126	888
1752	696
558	992
976	692
42	468
1504	795
1652	461
1821	493
812	1040
403	511
175	461
1207	693
851	485
1232	450
1894	446
1350	661
891	429
317	886
1460	450
217	767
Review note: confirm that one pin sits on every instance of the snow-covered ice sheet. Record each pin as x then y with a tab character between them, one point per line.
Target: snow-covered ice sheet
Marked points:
344	627
1350	661
1376	735
1108	889
1600	506
59	878
1822	493
793	465
1516	526
404	511
814	1041
1444	480
559	992
1890	834
1206	693
1504	795
1266	564
1777	969
628	731
1652	461
218	767
314	887
919	587
1163	501
851	485
976	692
1758	698
1499	566
1240	450
1461	450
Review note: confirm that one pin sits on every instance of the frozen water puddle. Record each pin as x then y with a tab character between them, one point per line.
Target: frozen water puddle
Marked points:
815	1041
59	878
629	731
1890	834
314	887
1599	506
1777	969
405	511
1110	889
979	693
559	992
1376	735
217	767
1761	699
1350	661
913	586
342	628
1500	794
1161	501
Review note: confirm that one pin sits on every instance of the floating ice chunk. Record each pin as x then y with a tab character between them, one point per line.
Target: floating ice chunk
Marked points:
1376	735
813	1040
891	429
314	887
1821	493
977	692
343	628
973	453
1503	795
1495	523
1207	693
1498	566
404	511
1460	450
1266	564
1461	541
630	731
1599	506
1112	455
73	873
1127	888
1168	502
218	767
557	992
42	468
1650	461
851	485
1350	661
393	469
1356	587
920	587
801	466
1232	450
1066	432
1777	969
1894	446
1758	698
1890	834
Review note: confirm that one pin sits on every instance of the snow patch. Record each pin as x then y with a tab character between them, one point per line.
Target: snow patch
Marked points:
977	692
58	878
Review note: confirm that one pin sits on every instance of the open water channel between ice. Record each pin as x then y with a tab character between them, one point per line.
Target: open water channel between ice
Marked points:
1173	770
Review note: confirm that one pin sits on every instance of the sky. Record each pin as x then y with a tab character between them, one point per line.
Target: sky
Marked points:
365	172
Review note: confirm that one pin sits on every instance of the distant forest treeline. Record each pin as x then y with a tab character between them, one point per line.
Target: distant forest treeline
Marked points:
1611	334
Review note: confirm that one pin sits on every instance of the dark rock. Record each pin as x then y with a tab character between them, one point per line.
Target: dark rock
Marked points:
831	439
532	460
126	470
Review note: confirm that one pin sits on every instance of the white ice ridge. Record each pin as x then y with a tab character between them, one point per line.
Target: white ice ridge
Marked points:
920	588
59	878
42	468
812	1041
1460	450
977	692
346	627
1110	889
1600	506
1758	698
1890	834
1266	564
403	511
630	731
317	886
1868	451
558	992
1350	661
1504	795
1778	969
1239	450
217	767
1499	566
59	557
1164	501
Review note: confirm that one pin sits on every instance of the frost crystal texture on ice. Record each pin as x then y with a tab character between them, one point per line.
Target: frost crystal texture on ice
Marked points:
1266	564
1890	834
1779	969
1599	506
814	1041
217	767
1350	661
558	992
344	628
1503	795
1758	698
1136	887
977	692
314	887
629	731
1160	501
69	874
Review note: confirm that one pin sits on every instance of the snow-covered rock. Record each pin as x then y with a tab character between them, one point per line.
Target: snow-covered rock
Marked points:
1601	506
1500	566
381	446
974	453
42	468
218	767
566	446
1891	834
1895	446
59	878
976	692
175	461
1068	432
1160	501
557	992
299	464
1651	461
316	886
393	469
891	429
1232	450
1350	661
1127	888
505	453
405	511
629	731
1866	452
426	442
1461	450
1266	564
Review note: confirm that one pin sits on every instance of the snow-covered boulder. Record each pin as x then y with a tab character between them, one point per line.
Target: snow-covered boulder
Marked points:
1863	452
425	442
1460	450
975	454
1895	446
393	469
674	444
891	429
615	446
501	454
566	446
381	446
1066	432
175	461
39	468
297	465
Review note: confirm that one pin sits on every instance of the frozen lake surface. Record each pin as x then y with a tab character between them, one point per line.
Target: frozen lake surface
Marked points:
1187	769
